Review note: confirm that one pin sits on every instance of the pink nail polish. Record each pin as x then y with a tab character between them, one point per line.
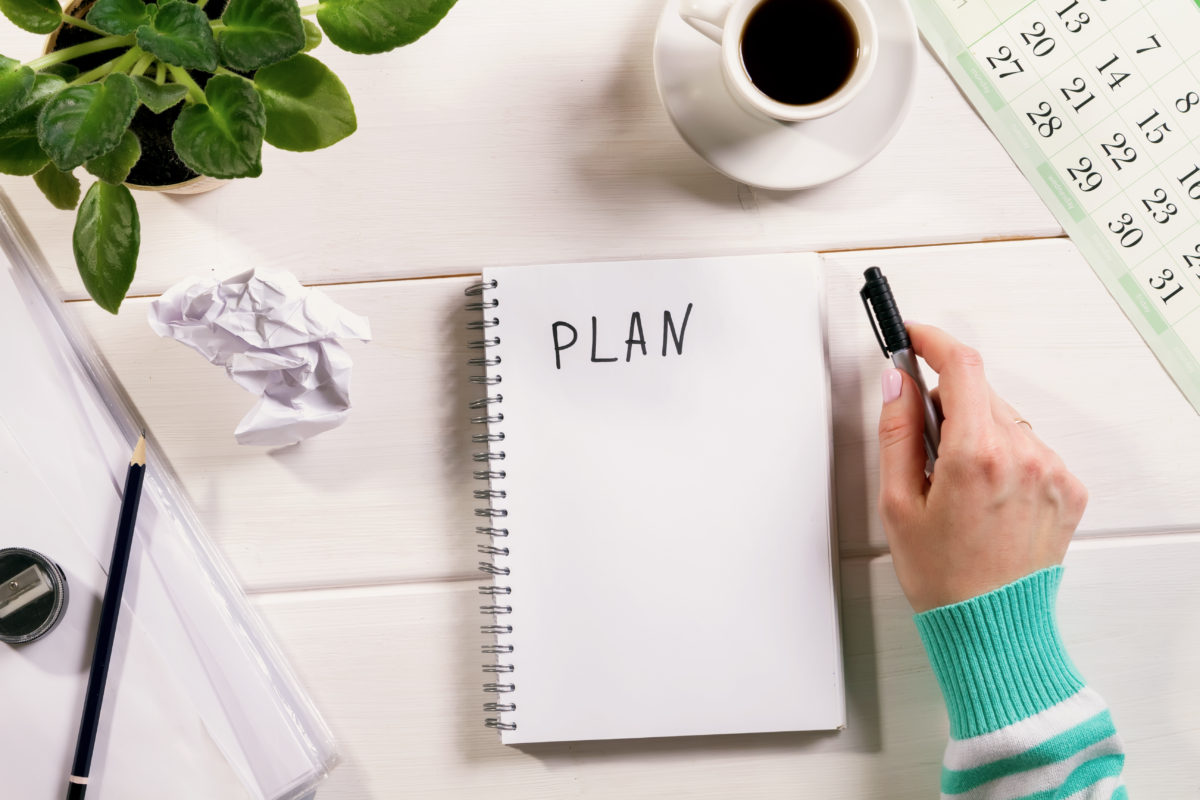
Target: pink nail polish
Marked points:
892	383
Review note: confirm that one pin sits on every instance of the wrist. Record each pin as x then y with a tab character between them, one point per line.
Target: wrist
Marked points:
998	657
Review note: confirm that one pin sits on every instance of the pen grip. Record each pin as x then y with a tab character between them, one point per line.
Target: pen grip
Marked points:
906	360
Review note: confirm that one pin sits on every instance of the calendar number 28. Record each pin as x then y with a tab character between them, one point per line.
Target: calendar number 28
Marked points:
1044	120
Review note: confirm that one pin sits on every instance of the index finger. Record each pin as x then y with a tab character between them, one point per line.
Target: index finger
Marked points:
965	394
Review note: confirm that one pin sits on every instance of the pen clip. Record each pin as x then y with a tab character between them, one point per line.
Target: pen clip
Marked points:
874	324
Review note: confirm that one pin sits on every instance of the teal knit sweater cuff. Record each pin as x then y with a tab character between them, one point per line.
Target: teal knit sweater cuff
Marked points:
998	657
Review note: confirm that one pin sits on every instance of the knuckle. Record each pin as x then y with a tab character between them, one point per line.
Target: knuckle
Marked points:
893	505
989	461
1072	491
966	356
1035	468
1077	495
893	430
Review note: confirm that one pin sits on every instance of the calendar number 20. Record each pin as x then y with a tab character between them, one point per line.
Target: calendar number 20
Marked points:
1039	43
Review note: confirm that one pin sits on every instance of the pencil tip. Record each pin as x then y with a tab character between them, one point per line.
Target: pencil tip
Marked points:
139	452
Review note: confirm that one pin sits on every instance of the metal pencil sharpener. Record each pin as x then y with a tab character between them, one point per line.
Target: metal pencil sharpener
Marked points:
33	595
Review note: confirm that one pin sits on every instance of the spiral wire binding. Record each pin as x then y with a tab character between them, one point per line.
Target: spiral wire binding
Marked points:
496	605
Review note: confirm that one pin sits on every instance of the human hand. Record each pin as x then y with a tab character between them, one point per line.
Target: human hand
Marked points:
999	505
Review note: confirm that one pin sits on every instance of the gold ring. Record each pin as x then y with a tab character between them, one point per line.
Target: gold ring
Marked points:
1024	422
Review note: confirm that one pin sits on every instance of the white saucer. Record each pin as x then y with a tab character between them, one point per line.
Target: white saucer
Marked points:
783	155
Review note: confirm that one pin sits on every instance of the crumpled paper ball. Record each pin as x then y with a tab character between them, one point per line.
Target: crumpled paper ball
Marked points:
274	337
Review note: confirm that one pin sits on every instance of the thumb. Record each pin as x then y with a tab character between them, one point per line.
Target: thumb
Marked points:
901	440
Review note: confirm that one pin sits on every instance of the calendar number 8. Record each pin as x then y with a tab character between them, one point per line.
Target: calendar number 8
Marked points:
1185	103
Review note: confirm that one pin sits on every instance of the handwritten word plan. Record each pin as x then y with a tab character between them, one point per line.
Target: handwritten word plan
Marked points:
1098	103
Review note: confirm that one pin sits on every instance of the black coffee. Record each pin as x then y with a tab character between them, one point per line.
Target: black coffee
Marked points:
799	51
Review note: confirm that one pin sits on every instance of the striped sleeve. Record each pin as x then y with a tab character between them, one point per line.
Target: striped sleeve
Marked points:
1023	725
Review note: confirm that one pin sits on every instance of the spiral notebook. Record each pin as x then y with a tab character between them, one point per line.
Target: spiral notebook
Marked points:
654	457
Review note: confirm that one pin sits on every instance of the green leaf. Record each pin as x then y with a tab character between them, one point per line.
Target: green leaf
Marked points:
15	86
35	16
107	237
307	106
223	138
113	167
20	151
180	35
68	72
121	16
61	188
82	122
158	98
312	35
376	26
260	32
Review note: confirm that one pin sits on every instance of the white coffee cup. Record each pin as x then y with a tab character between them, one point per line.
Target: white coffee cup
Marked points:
724	21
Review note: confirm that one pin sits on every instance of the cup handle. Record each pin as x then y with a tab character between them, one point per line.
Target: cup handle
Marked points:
706	16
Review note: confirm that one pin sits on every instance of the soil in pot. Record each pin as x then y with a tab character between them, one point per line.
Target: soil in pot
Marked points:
158	166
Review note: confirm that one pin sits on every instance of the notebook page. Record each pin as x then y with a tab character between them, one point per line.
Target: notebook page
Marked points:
669	515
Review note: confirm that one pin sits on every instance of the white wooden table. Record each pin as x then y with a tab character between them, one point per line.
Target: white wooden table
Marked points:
529	131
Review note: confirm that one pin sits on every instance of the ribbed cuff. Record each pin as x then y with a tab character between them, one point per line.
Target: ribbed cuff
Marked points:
998	657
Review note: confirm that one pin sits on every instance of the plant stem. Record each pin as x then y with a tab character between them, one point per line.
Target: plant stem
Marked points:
67	53
93	74
161	77
142	65
118	64
195	93
201	4
80	23
306	11
223	71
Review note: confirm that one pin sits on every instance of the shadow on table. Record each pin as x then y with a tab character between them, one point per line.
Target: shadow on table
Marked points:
628	147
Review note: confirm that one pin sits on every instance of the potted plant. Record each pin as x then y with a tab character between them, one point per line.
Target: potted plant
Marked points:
215	84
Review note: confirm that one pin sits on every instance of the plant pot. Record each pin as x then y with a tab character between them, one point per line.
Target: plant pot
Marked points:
196	185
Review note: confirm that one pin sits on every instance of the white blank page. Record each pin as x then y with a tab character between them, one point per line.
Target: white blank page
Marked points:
669	516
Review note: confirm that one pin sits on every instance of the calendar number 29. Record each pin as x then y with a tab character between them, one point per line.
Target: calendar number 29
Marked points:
1085	177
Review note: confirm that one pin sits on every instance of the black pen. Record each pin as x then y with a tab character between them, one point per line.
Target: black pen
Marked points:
893	339
107	630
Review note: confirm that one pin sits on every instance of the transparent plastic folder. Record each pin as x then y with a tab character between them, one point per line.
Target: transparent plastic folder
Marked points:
1098	103
200	702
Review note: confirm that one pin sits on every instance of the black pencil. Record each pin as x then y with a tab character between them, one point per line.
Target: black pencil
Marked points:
107	631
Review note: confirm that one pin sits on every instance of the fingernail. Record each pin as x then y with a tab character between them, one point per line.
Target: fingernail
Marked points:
892	382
